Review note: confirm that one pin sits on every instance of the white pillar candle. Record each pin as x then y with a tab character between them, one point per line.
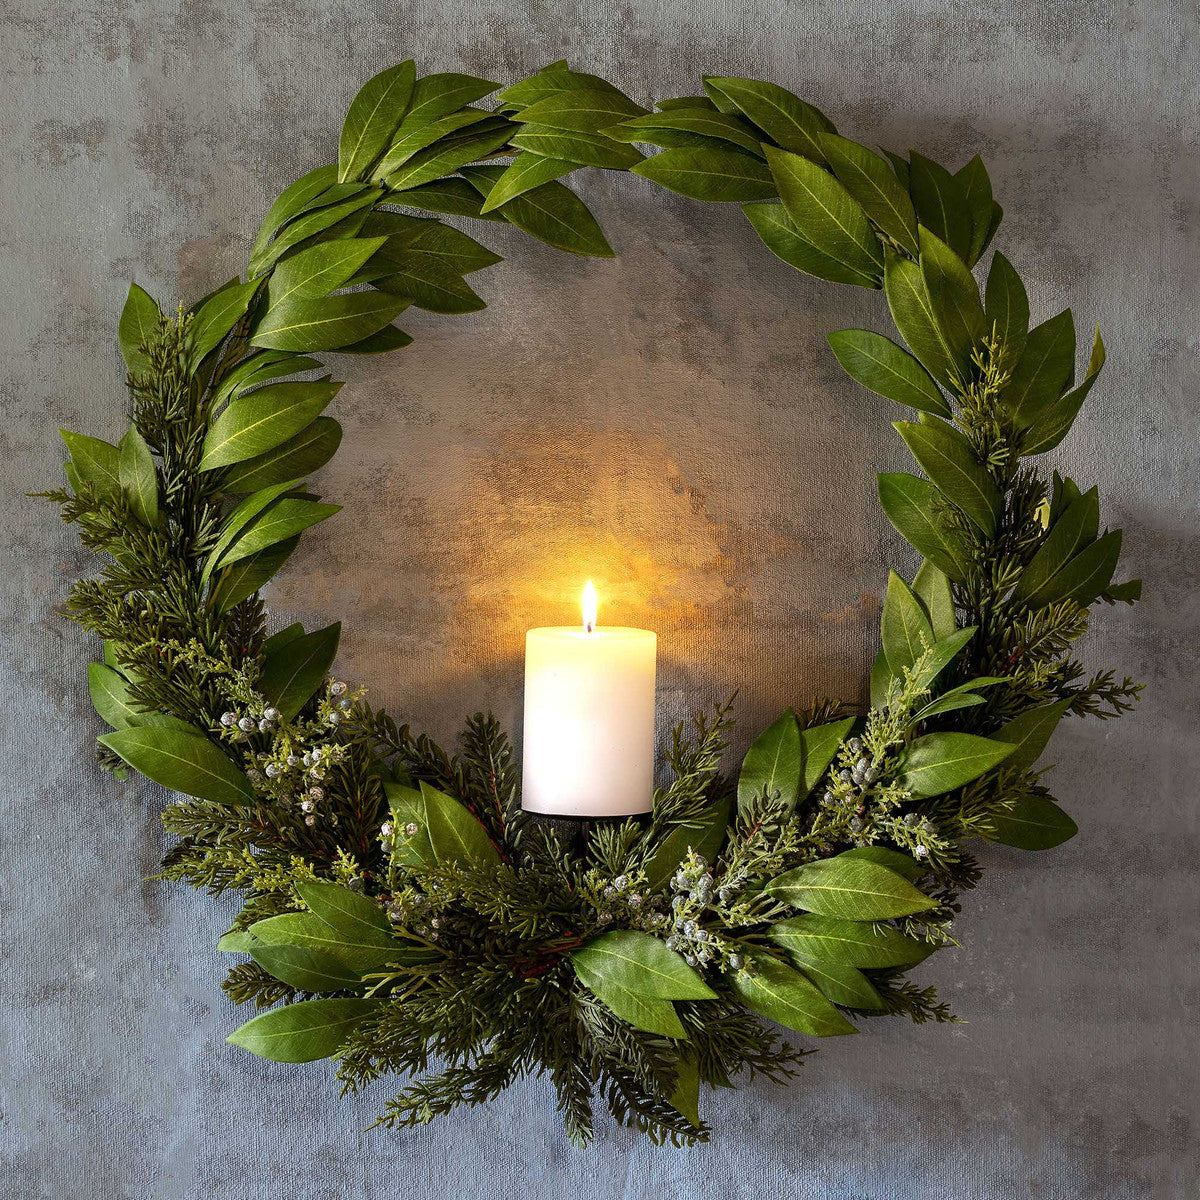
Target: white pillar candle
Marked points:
589	718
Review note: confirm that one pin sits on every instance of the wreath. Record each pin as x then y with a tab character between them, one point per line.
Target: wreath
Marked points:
401	913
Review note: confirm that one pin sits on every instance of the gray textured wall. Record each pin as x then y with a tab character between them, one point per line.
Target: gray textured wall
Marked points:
670	422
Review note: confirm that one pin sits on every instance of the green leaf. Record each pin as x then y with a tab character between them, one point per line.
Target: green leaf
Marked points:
293	200
704	122
881	679
941	762
783	117
685	1098
238	519
958	697
932	587
856	943
585	110
1043	370
139	320
953	295
820	744
282	520
135	469
780	235
913	313
218	315
429	284
182	761
909	503
907	633
449	154
323	219
301	455
289	633
359	953
779	993
583	149
1088	574
527	171
403	148
976	189
1007	309
352	916
237	942
1033	823
436	96
1056	420
894	860
941	654
408	807
651	1016
706	838
304	1032
642	964
97	463
879	364
854	889
874	185
258	368
452	196
773	765
374	116
826	214
840	982
247	575
109	690
267	417
715	175
434	239
326	324
294	670
306	969
388	338
941	203
551	213
454	834
948	458
1045	580
315	272
1029	732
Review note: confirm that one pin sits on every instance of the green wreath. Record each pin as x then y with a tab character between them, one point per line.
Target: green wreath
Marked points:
397	900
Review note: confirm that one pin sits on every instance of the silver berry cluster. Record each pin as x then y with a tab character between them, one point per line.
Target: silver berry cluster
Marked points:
695	890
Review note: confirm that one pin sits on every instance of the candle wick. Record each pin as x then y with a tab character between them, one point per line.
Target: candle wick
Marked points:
589	627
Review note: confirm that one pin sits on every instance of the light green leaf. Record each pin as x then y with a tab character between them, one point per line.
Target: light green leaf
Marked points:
1043	370
109	690
878	363
686	1096
941	762
293	200
854	889
350	915
1006	309
583	149
429	284
780	235
237	942
97	463
304	1032
941	203
258	368
932	587
782	994
874	185
949	459
1034	823
315	272
1029	732
894	860
909	503
454	834
341	202
953	295
958	697
182	761
326	324
826	214
408	807
715	175
584	110
773	765
706	839
453	196
301	455
294	670
704	122
373	117
218	315
881	678
907	633
307	969
820	744
913	313
839	982
785	118
360	953
135	468
833	940
139	320
436	96
641	963
267	417
941	654
527	171
555	78
651	1016
388	338
284	519
248	575
417	138
239	518
449	154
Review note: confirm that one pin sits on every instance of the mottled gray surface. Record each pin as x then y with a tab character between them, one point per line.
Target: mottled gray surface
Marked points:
671	423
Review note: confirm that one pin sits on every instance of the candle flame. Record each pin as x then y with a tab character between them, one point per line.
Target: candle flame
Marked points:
590	604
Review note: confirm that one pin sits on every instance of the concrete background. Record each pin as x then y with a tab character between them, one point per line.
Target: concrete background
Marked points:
671	423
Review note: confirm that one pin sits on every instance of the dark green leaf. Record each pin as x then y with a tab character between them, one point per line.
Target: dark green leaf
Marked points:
135	468
284	519
453	196
300	455
182	761
1034	823
706	122
585	110
292	672
820	744
254	424
527	171
881	679
374	116
218	315
932	587
247	575
910	505
783	117
826	214
706	839
912	311
304	1032
555	78
1090	572
1045	579
1029	732
312	224
239	518
139	320
780	235
429	284
1043	370
306	969
350	915
976	190
857	943
839	982
258	368
953	295
417	138
438	95
97	463
773	765
109	690
454	249
855	889
878	363
584	149
641	963
941	762
293	200
451	153
323	268
1007	309
779	993
874	185
454	834
1055	421
941	203
718	175
948	458
686	1096
390	337
907	633
326	324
